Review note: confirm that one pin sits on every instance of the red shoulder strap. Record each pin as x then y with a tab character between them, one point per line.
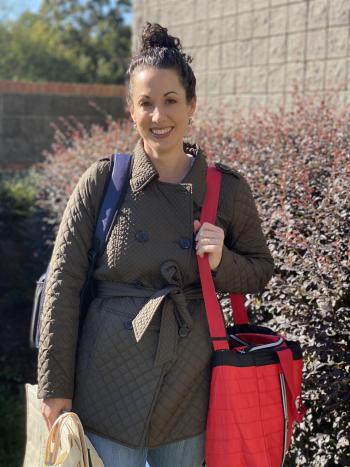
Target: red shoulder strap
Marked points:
213	309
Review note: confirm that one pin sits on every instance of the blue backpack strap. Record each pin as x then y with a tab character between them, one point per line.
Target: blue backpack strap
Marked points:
112	201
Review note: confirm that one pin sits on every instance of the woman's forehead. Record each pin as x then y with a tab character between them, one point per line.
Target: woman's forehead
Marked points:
154	81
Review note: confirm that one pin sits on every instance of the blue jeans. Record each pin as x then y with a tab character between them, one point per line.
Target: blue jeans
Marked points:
186	453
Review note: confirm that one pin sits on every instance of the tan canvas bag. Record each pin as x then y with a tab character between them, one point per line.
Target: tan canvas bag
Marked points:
36	430
65	445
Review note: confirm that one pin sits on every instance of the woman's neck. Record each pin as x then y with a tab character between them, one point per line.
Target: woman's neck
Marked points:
172	166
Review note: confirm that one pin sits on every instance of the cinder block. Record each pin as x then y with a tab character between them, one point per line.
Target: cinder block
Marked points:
214	30
35	128
36	104
278	2
295	76
259	79
297	14
243	80
244	5
259	4
278	20
229	28
277	49
188	11
228	54
153	14
314	76
165	15
339	12
338	42
227	82
200	29
296	46
201	87
213	83
200	59
17	152
201	10
316	45
186	36
245	25
260	51
11	127
13	104
214	57
182	13
276	78
260	23
336	75
244	53
317	16
229	8
215	8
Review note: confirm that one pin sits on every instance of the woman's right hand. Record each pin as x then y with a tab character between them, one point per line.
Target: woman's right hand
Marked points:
51	408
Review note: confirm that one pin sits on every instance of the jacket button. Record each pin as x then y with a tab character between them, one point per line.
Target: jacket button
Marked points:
128	324
184	331
141	236
185	243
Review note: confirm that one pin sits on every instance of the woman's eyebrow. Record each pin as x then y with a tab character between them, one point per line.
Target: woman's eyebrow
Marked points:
169	92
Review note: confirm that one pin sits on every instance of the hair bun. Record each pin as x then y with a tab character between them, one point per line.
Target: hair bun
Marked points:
154	35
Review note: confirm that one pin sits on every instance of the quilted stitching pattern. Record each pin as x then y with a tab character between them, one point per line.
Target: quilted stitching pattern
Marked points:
116	388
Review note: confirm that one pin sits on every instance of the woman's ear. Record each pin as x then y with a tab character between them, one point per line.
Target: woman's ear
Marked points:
192	106
131	111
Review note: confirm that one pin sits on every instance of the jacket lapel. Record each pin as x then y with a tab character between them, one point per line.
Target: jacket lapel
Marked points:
143	171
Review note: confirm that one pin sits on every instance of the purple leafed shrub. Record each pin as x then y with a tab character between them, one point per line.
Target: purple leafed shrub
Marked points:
298	165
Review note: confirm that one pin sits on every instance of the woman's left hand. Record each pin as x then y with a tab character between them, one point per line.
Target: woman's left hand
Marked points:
209	239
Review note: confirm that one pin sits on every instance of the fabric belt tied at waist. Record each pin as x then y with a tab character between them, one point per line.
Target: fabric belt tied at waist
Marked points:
175	320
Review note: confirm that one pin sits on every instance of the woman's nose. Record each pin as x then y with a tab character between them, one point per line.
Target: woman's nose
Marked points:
157	115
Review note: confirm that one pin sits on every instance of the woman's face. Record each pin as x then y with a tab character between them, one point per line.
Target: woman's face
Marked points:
159	109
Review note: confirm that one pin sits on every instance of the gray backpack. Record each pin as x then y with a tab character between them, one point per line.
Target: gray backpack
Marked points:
112	199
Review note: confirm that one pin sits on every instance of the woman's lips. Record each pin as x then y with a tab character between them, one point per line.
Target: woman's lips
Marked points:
162	135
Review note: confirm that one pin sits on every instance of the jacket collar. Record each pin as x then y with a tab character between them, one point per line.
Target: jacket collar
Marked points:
143	171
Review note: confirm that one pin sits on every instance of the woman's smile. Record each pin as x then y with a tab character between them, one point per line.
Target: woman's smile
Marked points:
161	133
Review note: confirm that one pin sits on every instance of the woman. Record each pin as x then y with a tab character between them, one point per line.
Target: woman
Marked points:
144	394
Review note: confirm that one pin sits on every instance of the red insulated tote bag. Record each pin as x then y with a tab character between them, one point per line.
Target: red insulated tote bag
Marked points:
255	392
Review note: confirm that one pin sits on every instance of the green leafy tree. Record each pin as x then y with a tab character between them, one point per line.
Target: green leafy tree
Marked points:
31	50
95	32
81	41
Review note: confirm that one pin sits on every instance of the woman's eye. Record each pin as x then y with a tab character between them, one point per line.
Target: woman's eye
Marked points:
171	100
144	104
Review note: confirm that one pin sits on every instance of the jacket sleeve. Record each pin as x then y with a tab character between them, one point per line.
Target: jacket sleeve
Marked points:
66	276
246	265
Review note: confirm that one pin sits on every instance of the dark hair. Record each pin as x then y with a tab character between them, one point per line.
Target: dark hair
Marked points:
160	50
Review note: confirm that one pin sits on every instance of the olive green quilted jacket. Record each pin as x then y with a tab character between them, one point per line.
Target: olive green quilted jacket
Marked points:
147	384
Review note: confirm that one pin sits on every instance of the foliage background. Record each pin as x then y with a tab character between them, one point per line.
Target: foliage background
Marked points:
67	41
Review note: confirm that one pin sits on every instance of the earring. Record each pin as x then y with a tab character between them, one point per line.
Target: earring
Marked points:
190	121
134	125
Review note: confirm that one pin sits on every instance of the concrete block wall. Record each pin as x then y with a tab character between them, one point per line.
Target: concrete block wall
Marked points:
251	52
28	109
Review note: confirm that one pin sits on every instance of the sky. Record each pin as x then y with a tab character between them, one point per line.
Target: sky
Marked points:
11	9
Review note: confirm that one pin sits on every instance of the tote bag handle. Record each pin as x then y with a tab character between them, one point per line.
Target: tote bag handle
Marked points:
215	319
